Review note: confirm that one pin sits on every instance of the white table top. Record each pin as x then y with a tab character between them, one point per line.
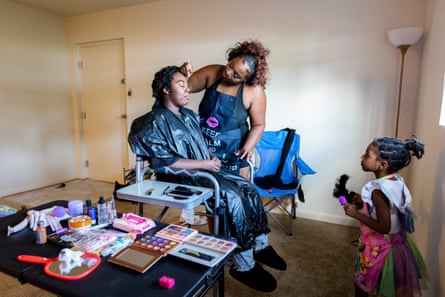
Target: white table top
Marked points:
153	192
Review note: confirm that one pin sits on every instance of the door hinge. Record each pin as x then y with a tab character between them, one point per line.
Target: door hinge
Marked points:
80	64
83	115
87	163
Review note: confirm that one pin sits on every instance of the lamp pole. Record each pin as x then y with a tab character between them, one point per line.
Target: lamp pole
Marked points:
403	49
403	38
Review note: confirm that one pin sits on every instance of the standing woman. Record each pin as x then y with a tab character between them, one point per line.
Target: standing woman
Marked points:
232	111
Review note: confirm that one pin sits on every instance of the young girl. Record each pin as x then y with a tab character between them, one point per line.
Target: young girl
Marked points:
388	262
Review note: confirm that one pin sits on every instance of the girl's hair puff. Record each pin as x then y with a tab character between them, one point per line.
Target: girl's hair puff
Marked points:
398	152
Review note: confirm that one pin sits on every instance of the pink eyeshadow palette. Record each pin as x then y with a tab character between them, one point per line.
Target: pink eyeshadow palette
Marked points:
176	233
211	242
204	249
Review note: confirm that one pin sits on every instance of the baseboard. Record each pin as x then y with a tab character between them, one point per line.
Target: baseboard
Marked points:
37	186
327	218
318	216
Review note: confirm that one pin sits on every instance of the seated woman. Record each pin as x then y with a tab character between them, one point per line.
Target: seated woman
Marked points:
170	136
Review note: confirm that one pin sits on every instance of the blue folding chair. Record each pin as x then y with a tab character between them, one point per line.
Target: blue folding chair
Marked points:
278	177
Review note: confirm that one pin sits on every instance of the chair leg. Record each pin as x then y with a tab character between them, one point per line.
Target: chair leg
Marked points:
287	231
293	209
276	203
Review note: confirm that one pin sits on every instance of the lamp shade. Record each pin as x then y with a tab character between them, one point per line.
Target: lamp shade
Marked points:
405	36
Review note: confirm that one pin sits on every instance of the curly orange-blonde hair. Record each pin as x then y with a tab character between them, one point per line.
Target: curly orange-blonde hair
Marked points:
255	49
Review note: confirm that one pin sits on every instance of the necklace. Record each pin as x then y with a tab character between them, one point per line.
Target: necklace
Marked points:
389	176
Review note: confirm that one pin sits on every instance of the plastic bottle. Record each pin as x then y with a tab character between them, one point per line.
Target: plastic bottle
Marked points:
92	213
86	207
111	210
188	215
102	215
40	233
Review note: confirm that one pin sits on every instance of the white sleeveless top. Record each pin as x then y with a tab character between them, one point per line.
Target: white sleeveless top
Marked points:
394	188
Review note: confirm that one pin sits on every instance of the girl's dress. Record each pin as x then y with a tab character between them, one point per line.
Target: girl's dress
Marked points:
386	262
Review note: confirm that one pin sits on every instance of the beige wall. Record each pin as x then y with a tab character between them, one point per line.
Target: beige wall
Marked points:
334	78
36	130
334	74
428	176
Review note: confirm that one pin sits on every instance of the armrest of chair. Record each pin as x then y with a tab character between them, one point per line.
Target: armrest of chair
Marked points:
203	174
251	171
303	167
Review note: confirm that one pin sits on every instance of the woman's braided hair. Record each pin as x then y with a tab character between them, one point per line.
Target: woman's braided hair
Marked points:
398	152
162	79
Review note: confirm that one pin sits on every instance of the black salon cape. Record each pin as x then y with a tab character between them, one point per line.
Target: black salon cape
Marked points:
163	137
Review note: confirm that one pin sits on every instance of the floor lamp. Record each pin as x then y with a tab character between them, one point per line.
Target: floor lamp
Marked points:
403	38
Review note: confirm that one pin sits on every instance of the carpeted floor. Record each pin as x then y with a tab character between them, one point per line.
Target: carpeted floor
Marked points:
320	256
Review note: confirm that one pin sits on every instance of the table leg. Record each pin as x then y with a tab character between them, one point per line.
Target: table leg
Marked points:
141	209
221	283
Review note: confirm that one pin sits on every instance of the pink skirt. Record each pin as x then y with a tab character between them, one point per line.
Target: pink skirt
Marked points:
403	270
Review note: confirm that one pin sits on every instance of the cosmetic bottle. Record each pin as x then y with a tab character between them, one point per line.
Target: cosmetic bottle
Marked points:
102	215
40	233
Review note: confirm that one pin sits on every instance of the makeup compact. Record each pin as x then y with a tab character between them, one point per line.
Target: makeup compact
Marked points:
144	252
204	249
136	258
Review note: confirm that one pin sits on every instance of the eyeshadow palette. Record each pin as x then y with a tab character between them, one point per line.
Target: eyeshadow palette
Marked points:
155	243
176	232
144	252
179	241
204	249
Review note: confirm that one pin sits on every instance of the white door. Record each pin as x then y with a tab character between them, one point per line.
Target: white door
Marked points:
103	109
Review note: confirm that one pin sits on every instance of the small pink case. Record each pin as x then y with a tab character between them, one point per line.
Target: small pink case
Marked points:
166	281
131	222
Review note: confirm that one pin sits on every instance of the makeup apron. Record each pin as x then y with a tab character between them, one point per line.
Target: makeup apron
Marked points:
223	120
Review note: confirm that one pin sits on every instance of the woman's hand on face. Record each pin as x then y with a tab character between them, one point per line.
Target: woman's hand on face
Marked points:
187	69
